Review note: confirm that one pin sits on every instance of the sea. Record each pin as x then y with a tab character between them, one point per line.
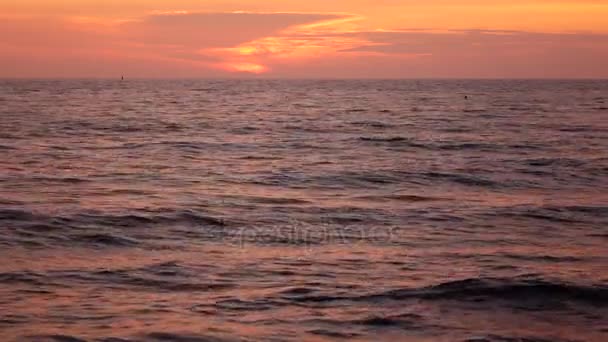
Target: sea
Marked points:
304	210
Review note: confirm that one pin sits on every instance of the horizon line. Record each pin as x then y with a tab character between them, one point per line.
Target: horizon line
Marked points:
126	78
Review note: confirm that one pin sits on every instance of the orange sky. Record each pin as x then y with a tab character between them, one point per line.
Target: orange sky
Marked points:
304	38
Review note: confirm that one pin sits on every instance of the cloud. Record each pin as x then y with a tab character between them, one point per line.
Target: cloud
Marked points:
297	42
466	42
224	39
214	30
55	33
194	44
337	46
480	53
168	37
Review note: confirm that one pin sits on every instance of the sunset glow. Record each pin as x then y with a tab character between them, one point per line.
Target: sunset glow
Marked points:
246	67
402	38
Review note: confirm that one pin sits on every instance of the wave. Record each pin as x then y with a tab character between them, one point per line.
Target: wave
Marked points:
520	291
463	179
17	215
164	277
378	178
576	129
466	146
103	239
399	198
542	258
501	338
393	140
276	200
333	334
49	179
172	337
21	278
559	214
11	202
53	338
403	321
372	124
104	230
152	337
516	289
400	141
113	220
566	162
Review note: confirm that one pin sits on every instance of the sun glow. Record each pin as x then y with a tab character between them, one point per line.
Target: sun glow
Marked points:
246	67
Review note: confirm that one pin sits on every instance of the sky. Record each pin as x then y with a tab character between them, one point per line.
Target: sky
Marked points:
304	38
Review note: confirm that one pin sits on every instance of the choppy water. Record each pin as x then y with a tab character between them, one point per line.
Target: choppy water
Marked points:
304	210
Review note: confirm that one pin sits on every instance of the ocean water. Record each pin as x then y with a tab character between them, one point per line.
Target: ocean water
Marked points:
258	210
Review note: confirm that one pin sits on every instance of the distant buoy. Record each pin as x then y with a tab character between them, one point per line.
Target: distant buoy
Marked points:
122	78
466	97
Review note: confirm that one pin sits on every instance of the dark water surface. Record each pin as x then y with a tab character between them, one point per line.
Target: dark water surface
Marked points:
304	210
